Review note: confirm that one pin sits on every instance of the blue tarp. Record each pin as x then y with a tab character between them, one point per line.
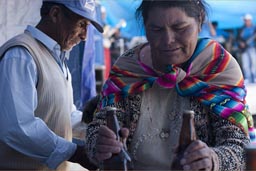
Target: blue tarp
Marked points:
123	9
228	13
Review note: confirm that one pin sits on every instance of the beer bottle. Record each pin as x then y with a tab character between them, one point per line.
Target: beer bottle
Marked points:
117	161
250	154
187	136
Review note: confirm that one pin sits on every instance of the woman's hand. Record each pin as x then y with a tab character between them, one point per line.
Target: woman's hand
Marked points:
107	144
197	156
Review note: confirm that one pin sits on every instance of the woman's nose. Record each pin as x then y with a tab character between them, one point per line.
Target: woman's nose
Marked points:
169	36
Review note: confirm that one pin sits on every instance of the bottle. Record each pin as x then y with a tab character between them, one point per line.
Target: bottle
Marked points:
187	136
117	161
250	156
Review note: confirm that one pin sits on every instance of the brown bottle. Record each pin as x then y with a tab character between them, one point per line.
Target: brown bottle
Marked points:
117	161
250	153
187	136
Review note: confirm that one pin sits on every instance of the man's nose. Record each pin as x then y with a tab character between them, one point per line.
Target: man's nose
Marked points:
83	34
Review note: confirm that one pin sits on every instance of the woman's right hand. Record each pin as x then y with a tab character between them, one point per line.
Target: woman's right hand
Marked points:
107	143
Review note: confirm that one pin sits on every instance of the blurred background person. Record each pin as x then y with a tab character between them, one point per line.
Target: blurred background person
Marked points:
118	45
221	36
246	43
111	40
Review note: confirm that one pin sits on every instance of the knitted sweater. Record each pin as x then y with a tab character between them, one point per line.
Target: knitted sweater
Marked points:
55	101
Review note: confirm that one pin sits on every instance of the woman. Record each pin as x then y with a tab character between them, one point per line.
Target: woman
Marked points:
154	82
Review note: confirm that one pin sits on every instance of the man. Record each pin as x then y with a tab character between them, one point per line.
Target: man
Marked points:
36	94
246	43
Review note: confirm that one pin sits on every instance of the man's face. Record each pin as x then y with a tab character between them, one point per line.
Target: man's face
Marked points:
247	22
71	29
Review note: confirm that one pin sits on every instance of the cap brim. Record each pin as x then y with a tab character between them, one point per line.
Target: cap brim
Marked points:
88	17
97	26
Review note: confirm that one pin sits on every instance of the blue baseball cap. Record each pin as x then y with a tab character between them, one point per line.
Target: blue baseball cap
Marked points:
84	8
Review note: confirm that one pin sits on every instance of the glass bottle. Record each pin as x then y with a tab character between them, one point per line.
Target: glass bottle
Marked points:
117	161
187	136
250	154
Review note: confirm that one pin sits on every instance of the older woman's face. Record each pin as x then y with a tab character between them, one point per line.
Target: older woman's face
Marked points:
172	36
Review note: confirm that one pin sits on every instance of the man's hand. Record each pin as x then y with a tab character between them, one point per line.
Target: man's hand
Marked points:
107	143
80	156
197	156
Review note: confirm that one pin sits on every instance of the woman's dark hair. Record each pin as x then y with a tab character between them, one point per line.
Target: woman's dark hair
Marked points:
193	8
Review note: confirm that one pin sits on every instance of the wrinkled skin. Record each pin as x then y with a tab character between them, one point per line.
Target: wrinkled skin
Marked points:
107	144
197	156
172	36
66	28
71	31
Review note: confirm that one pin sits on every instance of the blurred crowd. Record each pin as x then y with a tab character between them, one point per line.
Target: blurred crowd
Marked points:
240	42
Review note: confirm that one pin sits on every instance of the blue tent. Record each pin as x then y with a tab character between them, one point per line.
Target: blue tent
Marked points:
228	13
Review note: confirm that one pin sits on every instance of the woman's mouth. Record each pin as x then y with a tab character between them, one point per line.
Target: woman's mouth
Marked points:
173	50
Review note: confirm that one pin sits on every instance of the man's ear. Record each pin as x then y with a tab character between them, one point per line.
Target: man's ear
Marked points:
55	14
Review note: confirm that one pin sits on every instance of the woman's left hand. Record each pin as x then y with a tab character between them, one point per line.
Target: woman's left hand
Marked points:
197	156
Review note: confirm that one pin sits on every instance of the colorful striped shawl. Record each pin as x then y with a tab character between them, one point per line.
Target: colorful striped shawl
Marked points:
211	75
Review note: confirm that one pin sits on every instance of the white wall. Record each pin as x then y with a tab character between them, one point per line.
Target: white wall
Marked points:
15	15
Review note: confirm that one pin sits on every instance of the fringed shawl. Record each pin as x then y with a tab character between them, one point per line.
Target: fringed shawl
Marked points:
211	75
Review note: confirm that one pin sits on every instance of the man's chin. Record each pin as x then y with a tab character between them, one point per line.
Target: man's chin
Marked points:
68	48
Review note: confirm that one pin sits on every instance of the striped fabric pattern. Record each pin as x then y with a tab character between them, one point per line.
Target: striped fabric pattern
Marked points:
211	75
